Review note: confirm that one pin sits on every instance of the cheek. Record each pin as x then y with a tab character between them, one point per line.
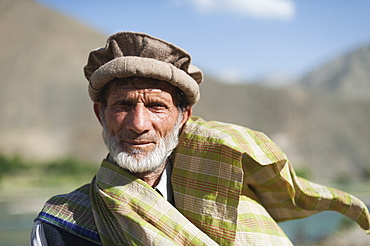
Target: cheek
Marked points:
114	120
164	125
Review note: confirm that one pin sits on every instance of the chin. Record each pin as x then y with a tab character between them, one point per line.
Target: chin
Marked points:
139	163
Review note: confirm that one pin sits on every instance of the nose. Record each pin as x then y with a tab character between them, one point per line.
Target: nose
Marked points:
138	119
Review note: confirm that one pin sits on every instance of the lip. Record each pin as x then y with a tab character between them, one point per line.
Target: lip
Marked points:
138	143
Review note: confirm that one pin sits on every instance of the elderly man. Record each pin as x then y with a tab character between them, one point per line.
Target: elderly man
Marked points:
171	178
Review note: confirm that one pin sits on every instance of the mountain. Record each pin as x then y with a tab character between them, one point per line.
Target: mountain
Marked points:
347	76
44	104
326	137
46	111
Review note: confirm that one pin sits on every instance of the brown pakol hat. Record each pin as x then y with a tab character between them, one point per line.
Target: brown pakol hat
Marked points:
128	54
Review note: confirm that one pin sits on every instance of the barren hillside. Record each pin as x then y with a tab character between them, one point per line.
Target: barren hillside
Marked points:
46	112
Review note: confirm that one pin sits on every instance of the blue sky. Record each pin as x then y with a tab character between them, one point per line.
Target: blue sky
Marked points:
237	39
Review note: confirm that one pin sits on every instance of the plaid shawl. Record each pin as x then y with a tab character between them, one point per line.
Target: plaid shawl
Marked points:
231	185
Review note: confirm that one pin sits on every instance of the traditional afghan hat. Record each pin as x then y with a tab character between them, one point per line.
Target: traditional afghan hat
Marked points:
128	54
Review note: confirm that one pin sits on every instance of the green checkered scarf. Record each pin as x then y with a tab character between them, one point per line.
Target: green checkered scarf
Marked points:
126	209
231	185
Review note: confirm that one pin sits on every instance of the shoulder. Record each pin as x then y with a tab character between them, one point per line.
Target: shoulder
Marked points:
79	196
71	213
262	149
44	234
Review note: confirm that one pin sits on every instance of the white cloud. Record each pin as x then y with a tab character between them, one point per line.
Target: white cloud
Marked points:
269	9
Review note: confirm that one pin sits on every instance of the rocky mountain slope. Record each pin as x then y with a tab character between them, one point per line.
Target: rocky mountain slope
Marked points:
346	76
46	112
44	104
326	137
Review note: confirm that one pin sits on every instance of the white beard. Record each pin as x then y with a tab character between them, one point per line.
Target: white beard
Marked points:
140	161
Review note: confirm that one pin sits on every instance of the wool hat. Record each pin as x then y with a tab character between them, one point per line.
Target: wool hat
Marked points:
128	54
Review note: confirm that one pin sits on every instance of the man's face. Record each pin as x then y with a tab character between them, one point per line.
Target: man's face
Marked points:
141	120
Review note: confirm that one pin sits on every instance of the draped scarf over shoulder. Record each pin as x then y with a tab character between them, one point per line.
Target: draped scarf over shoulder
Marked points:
231	185
127	210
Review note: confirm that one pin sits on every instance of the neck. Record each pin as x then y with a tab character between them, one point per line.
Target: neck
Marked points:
152	178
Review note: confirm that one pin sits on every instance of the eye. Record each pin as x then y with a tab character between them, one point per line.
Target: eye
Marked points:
157	106
123	105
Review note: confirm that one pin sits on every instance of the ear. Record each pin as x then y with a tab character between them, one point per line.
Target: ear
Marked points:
186	115
97	109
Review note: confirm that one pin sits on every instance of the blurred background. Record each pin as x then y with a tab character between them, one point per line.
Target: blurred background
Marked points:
297	70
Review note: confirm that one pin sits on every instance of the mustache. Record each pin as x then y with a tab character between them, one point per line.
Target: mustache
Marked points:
152	137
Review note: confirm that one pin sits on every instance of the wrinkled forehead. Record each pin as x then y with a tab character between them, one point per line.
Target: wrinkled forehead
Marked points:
139	83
